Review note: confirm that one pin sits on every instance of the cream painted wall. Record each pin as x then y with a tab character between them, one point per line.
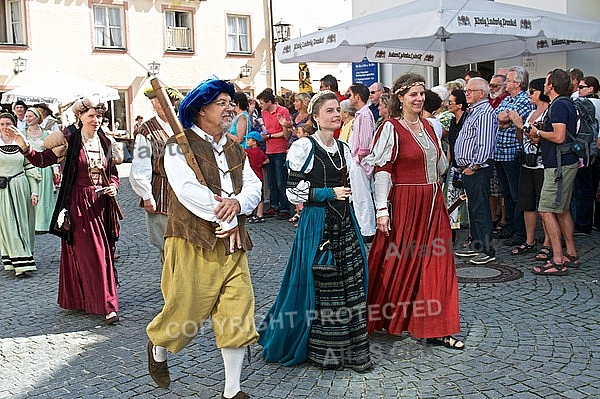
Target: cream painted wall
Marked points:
60	38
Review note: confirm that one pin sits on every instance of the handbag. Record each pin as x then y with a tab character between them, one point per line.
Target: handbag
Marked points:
324	258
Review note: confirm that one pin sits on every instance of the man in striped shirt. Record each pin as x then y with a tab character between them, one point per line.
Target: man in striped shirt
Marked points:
474	150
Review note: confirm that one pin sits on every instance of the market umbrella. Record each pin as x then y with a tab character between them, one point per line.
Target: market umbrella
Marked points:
60	88
444	32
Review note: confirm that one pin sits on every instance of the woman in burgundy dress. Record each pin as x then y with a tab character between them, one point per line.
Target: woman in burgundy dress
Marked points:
412	275
85	214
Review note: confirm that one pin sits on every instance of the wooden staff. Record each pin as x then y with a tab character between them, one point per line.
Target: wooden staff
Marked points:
113	200
166	106
456	203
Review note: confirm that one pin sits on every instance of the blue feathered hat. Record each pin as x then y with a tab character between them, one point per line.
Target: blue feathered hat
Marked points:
204	94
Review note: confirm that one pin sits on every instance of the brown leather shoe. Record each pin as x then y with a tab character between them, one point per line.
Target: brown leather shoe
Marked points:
239	395
159	371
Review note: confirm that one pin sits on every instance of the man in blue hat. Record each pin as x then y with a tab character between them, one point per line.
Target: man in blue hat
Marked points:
205	274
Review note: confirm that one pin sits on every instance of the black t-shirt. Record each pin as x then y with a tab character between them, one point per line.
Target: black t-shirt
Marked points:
561	110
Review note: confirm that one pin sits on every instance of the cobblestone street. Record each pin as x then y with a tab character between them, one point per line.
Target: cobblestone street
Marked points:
532	337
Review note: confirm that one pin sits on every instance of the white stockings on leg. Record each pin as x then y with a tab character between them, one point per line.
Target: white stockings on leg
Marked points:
233	359
159	353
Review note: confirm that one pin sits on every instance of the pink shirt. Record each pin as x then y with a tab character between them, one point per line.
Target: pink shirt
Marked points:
275	145
362	136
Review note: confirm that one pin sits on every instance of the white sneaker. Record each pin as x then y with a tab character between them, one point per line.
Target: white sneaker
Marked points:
482	259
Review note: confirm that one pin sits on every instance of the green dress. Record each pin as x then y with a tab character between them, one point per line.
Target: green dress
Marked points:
16	212
45	206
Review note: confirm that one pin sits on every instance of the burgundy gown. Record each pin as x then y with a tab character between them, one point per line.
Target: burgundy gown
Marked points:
87	278
412	274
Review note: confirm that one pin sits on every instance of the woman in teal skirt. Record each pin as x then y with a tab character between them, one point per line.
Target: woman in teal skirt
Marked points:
320	313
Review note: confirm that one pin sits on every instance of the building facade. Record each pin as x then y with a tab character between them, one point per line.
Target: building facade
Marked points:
118	43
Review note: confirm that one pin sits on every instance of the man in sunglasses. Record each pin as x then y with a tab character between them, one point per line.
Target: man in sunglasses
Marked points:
375	93
497	90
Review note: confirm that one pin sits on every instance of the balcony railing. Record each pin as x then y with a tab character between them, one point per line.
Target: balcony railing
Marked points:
179	38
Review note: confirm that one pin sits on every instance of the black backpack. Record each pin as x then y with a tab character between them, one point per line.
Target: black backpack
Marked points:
584	140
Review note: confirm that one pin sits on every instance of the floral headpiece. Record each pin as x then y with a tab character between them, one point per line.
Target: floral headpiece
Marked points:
406	87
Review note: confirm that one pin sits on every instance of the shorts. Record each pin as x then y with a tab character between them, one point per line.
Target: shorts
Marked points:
530	187
550	188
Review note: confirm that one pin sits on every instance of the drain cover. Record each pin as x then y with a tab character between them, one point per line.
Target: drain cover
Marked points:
495	273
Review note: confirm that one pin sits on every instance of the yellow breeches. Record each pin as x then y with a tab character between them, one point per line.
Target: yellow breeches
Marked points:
200	283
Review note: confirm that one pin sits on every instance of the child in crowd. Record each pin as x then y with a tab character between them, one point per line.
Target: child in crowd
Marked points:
256	158
303	130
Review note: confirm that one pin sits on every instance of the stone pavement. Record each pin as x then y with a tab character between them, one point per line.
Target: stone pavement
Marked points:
533	337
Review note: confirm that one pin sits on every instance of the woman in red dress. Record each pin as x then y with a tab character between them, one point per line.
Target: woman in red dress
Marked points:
85	216
412	275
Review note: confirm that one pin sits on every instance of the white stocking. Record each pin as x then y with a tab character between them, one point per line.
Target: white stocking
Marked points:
159	353
233	359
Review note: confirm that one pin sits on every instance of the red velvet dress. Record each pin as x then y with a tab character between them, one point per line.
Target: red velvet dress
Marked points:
87	279
412	274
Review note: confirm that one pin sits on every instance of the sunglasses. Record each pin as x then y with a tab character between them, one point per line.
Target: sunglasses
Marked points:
531	91
374	91
582	87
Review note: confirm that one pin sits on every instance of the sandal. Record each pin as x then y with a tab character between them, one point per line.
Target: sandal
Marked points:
559	269
544	254
294	218
523	248
256	219
448	341
573	261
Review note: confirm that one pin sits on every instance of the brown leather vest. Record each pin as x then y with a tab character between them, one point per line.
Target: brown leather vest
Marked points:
157	138
183	223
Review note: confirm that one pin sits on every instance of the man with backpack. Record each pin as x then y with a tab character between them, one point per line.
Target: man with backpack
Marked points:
586	181
560	168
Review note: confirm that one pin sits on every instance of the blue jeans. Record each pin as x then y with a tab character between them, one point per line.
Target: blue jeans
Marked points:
508	177
477	187
277	181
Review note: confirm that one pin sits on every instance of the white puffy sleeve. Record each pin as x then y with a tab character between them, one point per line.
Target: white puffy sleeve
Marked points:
299	162
382	149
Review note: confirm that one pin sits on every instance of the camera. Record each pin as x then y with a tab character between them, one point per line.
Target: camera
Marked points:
531	160
526	129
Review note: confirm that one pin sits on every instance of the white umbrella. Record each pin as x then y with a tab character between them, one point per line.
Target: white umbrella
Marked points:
444	32
60	88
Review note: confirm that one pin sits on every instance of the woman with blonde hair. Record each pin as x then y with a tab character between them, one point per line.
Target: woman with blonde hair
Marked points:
85	216
300	115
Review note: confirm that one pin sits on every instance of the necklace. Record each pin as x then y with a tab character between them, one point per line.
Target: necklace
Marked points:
412	123
410	129
424	142
329	155
34	133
